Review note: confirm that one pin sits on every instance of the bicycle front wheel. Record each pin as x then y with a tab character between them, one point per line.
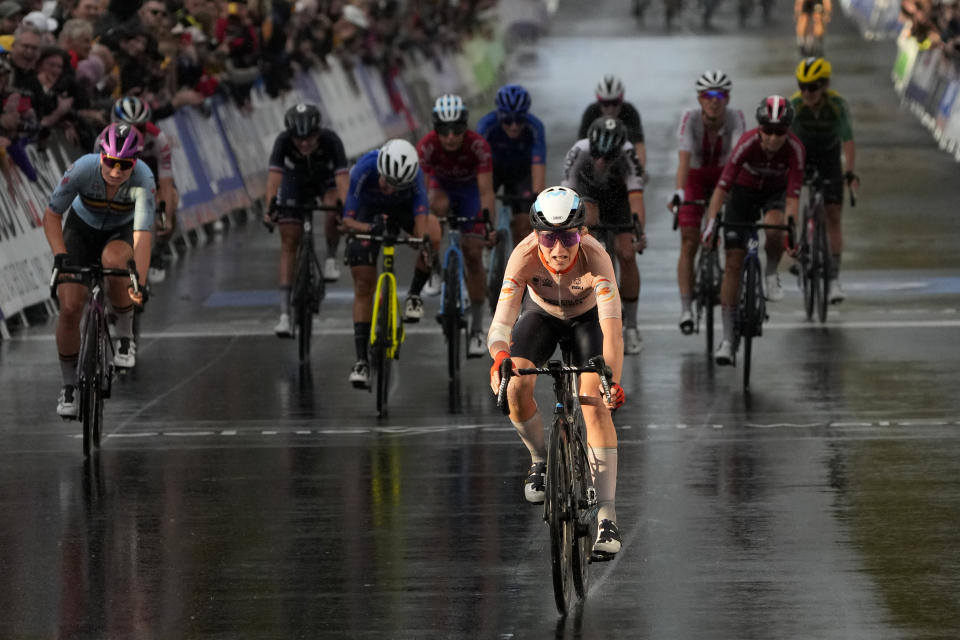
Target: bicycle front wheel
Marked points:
751	313
822	272
559	515
381	345
451	329
302	302
584	497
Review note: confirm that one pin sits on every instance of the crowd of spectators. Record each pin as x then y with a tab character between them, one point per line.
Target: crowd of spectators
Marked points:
934	23
63	63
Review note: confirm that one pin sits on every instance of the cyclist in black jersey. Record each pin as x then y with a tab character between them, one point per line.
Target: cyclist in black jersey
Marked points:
610	103
308	162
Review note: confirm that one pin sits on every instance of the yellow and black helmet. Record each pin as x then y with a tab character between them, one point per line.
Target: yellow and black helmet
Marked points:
813	69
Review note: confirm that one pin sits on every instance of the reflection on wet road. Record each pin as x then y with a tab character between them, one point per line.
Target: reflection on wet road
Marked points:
238	495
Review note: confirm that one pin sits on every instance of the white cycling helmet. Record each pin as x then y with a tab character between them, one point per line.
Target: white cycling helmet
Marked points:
713	80
130	109
449	108
397	162
557	208
609	88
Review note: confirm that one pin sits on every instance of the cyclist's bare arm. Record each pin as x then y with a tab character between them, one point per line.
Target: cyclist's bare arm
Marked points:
342	181
613	345
636	206
683	171
538	177
797	8
53	229
827	10
274	180
488	199
641	150
142	241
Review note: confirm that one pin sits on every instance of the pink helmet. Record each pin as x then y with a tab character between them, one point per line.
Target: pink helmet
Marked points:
120	140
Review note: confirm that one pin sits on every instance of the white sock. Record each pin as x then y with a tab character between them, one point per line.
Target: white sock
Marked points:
604	468
531	432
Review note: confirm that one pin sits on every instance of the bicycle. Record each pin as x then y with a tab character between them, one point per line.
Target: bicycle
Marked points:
386	325
708	274
751	306
95	360
813	254
570	507
453	306
500	252
308	288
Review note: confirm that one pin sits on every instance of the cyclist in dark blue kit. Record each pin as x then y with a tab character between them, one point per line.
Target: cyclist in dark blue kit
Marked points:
386	182
519	148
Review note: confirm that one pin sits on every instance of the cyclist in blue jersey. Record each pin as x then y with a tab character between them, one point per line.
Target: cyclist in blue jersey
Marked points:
519	149
110	201
385	184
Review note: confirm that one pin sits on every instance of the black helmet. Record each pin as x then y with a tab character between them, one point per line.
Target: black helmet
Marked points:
606	136
775	110
302	120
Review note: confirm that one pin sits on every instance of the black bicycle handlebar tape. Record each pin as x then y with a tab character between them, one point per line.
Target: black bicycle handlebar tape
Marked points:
506	370
606	375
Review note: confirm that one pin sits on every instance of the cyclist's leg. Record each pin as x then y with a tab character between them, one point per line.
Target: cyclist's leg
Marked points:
831	168
520	219
331	232
629	277
116	255
773	246
699	183
362	257
290	225
423	225
84	245
601	433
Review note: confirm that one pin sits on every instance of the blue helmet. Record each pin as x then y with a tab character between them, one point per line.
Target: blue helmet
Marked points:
512	99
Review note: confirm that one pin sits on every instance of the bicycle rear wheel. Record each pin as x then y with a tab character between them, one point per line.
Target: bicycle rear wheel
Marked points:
451	329
382	359
558	514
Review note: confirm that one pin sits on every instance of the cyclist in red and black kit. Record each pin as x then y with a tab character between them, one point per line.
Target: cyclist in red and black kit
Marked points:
764	174
308	162
459	167
706	136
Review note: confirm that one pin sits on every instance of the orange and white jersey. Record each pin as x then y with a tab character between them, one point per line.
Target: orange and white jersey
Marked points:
589	282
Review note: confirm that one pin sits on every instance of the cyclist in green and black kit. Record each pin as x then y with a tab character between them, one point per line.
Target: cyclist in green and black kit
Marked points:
822	123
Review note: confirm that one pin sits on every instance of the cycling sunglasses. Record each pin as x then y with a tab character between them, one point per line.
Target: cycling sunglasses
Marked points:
810	86
569	238
446	128
774	131
611	103
715	94
123	164
509	119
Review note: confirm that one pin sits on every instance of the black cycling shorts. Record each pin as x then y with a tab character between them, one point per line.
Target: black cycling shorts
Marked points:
301	199
364	252
537	334
747	205
85	244
830	168
516	185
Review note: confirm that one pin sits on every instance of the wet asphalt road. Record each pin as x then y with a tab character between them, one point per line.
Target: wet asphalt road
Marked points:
238	495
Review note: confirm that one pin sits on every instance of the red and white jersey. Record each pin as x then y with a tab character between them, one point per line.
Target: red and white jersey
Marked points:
692	137
452	167
752	167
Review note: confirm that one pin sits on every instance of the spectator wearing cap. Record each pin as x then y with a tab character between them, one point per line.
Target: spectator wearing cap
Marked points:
44	24
76	38
10	15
